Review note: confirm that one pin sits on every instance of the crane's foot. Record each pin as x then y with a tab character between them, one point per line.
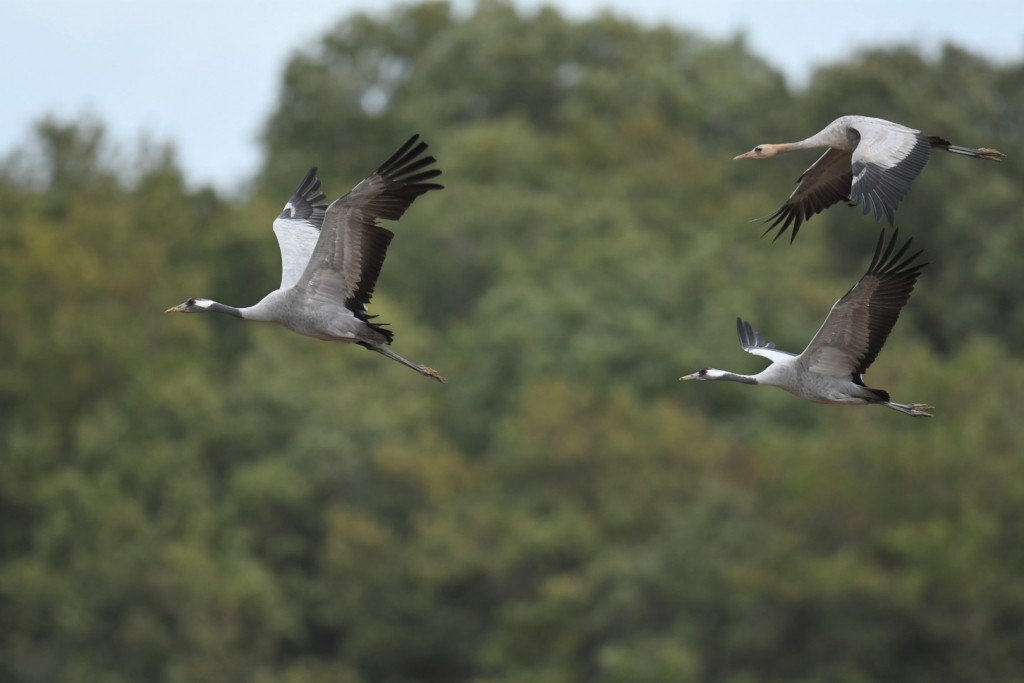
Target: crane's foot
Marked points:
989	153
915	409
431	372
920	410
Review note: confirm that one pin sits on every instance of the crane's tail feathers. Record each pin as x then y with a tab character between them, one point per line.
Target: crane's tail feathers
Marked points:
914	409
422	369
387	336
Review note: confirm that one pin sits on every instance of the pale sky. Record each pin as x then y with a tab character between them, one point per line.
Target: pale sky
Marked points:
204	74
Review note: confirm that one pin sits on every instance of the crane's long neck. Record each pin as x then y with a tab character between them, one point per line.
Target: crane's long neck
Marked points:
785	147
769	150
714	374
217	307
268	309
815	141
734	377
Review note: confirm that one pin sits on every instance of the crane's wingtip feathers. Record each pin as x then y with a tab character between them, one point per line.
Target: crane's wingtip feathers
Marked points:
777	235
784	220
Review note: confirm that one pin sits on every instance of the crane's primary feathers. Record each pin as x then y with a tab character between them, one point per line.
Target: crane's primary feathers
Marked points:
831	368
869	161
331	256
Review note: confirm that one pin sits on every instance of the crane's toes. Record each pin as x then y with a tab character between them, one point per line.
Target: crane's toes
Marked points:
431	372
921	410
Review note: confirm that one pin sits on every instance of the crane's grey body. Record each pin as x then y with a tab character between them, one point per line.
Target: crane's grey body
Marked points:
326	320
830	369
798	376
868	161
331	256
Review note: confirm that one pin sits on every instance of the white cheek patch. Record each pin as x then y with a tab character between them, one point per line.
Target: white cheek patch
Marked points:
203	303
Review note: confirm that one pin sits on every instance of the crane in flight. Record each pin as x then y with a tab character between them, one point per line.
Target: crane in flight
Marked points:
831	368
868	161
331	256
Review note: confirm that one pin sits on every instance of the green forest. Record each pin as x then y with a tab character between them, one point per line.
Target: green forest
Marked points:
197	498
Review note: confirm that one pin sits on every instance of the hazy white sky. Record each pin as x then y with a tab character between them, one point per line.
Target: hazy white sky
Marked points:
204	74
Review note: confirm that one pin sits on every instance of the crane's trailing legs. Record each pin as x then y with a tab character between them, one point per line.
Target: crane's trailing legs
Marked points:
977	153
388	353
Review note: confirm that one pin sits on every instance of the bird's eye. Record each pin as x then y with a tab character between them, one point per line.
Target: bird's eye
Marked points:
703	372
191	302
757	150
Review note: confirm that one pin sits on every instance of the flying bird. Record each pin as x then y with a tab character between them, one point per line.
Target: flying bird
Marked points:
331	256
869	161
831	368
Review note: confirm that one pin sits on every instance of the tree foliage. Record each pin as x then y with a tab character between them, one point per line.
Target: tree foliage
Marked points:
199	499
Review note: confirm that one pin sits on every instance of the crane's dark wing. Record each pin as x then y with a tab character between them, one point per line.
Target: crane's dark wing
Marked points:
825	183
350	251
859	323
885	163
753	342
298	227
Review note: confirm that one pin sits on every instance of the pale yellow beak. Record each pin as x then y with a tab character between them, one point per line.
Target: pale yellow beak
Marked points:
690	376
745	155
180	308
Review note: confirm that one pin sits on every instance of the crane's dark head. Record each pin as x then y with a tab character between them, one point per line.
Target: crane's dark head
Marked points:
764	151
704	374
194	305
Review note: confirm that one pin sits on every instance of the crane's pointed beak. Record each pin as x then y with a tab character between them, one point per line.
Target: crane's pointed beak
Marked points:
180	308
686	377
745	155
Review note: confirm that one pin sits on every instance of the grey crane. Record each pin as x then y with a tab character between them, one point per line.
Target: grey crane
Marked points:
331	256
869	161
831	368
